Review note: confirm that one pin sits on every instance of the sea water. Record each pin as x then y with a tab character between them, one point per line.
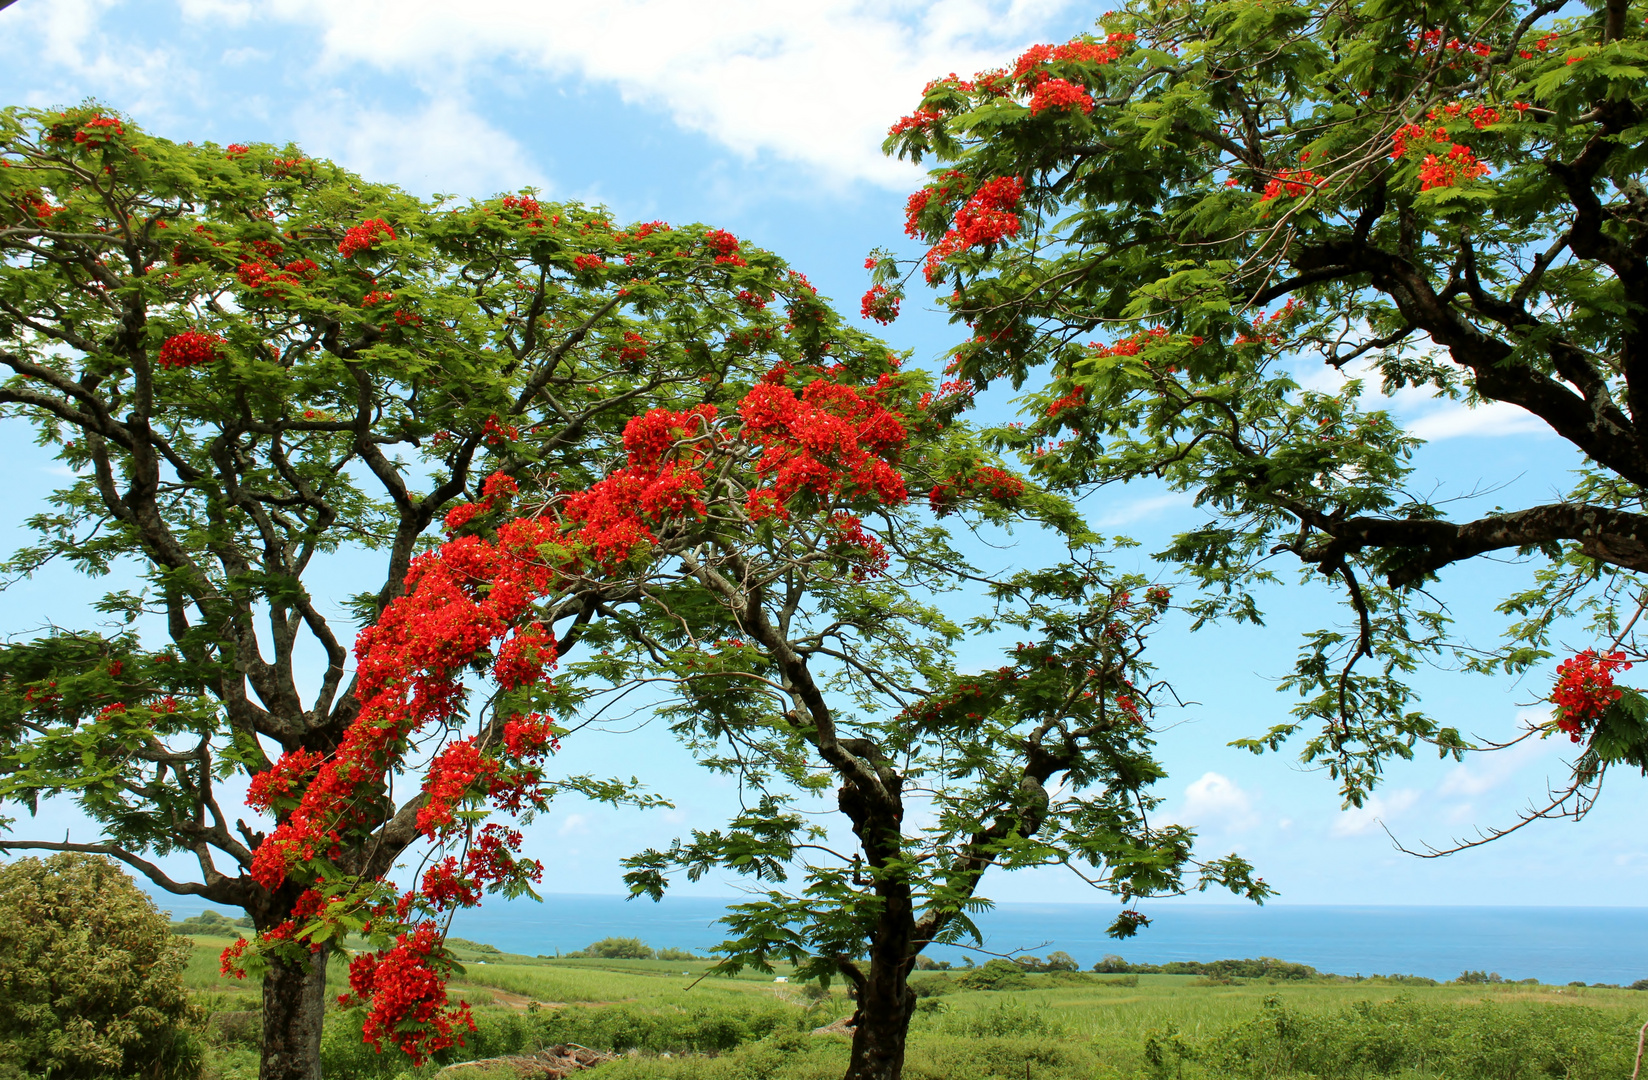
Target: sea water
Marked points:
1553	945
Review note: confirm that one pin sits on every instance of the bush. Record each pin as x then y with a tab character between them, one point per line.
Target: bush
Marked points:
934	985
616	948
1010	1019
709	1028
1640	984
210	922
343	1053
995	975
1462	1042
676	955
91	976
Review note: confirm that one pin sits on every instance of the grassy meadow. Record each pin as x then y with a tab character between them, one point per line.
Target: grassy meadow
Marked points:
667	1023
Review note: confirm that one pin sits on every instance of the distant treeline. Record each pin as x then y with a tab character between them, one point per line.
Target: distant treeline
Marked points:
1264	967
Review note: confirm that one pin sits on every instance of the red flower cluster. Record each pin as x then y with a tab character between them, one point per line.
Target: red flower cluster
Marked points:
1459	164
1059	94
407	997
98	131
921	119
236	150
528	208
190	348
374	298
273	788
1031	66
725	246
953	182
986	218
1075	399
880	304
589	262
451	778
1296	183
34	204
1584	690
633	350
829	440
365	236
270	279
661	481
866	553
986	481
496	434
230	962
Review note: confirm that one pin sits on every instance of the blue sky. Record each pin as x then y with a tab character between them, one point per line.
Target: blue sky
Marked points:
766	119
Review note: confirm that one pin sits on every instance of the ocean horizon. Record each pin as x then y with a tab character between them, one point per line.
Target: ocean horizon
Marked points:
1551	944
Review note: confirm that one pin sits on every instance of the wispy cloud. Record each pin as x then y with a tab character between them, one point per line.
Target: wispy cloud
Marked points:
815	84
1495	419
1378	808
1142	509
443	147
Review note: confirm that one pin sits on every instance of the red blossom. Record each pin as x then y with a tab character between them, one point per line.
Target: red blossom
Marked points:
365	236
1584	690
879	303
1059	94
406	995
191	348
1296	183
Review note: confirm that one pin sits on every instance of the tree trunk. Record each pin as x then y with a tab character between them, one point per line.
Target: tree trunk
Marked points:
885	1004
294	1003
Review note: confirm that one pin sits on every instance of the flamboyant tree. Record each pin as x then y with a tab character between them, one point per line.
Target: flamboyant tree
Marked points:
260	369
1156	226
768	568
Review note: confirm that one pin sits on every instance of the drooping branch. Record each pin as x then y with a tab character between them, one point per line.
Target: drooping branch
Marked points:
1612	536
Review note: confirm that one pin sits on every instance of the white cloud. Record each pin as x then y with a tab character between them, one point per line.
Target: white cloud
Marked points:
66	35
573	825
1141	509
815	84
1377	809
1216	801
1493	419
1490	769
445	147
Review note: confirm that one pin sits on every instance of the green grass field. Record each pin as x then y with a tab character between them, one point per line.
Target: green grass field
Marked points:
1060	1026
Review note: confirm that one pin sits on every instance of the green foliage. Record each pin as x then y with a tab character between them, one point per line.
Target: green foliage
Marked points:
996	974
1467	1042
1443	197
212	922
90	982
1265	967
621	948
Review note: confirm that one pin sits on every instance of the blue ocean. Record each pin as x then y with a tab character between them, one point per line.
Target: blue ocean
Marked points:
1553	945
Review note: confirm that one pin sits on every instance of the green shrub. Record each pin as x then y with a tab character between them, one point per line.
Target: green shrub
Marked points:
343	1053
616	948
1008	1020
1483	1041
90	976
676	955
708	1028
211	922
995	975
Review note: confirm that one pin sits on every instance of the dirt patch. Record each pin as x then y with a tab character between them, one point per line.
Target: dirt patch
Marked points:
550	1063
